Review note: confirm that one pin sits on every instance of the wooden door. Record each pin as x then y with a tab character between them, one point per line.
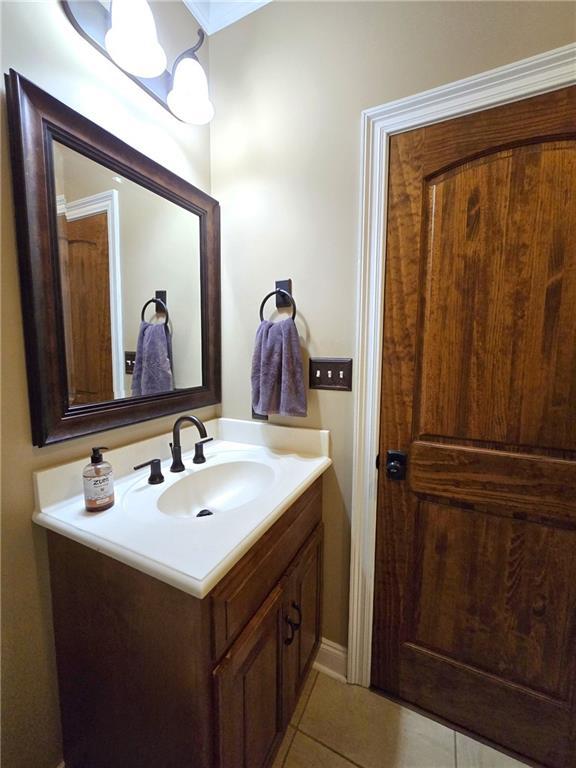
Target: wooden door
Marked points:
302	612
475	594
248	685
86	303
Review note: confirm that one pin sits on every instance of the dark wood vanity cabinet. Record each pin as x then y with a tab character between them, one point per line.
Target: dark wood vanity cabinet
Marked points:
150	676
248	690
258	681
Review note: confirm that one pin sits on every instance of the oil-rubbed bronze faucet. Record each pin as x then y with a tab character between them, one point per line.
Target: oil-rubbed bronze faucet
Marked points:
176	448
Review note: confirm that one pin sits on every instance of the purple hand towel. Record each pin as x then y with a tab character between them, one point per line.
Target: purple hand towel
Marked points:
152	367
277	374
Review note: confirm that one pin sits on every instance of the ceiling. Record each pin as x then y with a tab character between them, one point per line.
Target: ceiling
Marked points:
213	15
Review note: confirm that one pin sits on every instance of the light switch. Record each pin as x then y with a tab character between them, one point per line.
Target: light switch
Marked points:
331	373
129	362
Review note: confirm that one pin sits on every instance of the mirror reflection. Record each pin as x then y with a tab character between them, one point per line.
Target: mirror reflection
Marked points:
120	246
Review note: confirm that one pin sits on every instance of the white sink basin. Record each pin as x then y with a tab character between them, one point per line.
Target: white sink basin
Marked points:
219	488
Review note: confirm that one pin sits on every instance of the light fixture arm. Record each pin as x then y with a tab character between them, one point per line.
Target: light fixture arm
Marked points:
188	99
191	52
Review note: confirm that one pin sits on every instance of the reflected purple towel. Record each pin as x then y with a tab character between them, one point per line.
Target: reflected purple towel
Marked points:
277	374
152	368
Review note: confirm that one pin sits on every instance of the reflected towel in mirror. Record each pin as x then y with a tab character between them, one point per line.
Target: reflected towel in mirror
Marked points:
152	367
277	373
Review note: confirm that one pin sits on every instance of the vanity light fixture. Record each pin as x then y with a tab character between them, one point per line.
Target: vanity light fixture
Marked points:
188	98
127	36
132	40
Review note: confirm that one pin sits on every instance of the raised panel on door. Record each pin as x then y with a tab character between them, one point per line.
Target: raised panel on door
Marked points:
248	685
475	604
491	590
509	480
498	324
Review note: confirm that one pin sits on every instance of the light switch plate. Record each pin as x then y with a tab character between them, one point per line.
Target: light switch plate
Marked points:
129	362
331	373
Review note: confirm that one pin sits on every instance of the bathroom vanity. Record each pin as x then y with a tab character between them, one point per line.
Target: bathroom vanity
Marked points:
162	668
187	615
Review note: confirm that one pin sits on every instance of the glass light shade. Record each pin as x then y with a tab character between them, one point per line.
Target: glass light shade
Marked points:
132	40
188	99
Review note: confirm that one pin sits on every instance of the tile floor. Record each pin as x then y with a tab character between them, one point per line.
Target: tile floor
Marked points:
344	726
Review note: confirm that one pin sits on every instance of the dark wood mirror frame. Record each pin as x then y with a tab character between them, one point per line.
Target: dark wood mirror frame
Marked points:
35	120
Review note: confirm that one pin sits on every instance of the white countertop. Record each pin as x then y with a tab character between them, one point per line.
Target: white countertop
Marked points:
188	552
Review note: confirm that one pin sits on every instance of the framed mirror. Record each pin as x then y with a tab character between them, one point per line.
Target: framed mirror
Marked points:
120	275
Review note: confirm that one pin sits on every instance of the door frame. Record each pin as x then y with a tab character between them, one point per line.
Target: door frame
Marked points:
106	202
539	74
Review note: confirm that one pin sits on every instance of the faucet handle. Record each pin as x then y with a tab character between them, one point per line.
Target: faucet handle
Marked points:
156	475
177	464
199	457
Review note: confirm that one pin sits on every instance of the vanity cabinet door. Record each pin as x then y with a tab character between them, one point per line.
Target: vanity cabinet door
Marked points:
303	619
248	685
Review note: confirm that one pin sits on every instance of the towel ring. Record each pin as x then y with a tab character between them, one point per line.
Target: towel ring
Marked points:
156	301
273	293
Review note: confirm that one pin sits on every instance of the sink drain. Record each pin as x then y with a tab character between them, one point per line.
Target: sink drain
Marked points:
204	513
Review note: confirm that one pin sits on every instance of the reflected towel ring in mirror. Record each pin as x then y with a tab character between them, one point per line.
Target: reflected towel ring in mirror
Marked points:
273	293
156	301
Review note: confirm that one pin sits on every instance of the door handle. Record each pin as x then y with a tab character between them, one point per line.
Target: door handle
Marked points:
396	462
298	623
290	639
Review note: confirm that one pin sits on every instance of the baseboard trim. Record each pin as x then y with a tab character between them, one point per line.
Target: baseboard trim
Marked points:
332	660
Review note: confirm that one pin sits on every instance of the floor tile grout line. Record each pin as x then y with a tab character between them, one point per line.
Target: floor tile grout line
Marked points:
298	727
330	749
297	723
289	746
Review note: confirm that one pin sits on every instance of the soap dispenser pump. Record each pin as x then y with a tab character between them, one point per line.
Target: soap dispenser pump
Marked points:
98	482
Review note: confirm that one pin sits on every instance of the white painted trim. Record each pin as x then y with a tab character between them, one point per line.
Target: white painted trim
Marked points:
331	660
538	74
60	205
214	15
107	202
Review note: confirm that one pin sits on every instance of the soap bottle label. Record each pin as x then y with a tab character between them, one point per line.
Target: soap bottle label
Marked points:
98	490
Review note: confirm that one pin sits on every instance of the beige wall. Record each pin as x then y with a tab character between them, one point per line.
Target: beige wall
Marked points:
289	83
38	42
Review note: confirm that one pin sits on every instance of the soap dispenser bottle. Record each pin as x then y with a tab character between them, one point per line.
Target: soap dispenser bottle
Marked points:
98	482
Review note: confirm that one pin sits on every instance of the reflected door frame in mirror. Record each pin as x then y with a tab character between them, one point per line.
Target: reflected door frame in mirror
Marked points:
36	119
